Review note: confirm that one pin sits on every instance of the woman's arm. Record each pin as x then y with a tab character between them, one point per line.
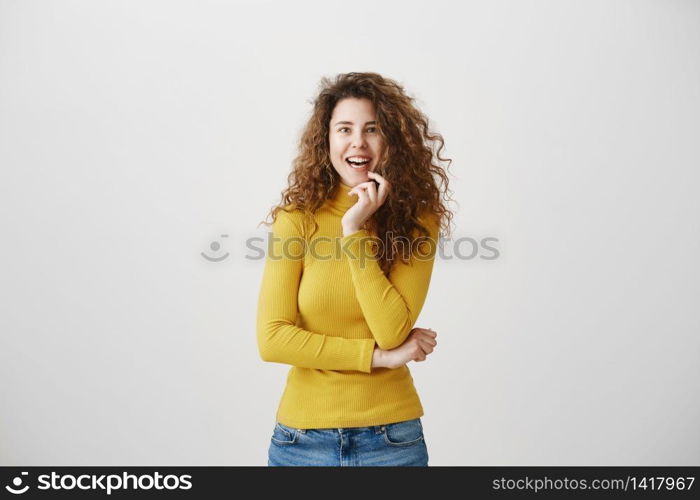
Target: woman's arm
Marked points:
279	340
391	305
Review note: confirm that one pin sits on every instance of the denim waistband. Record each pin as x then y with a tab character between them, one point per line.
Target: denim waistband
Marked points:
377	429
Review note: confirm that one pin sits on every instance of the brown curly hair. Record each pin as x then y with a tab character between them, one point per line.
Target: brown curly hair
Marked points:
407	164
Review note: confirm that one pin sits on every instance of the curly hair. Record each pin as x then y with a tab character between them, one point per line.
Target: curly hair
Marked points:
407	164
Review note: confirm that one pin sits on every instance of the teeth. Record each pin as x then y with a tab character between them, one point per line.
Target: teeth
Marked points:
358	159
357	164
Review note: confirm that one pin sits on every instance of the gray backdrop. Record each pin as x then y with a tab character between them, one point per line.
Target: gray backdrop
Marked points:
137	136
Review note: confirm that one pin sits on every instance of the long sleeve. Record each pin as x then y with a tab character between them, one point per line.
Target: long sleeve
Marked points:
391	305
279	339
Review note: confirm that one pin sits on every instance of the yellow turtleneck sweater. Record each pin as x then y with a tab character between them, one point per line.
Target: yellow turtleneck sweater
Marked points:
323	308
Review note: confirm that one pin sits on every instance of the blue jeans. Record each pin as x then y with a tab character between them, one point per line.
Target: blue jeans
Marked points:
394	444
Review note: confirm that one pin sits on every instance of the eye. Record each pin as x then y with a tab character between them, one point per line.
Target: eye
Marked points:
346	128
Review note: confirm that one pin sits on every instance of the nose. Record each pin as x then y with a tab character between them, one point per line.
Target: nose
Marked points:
358	141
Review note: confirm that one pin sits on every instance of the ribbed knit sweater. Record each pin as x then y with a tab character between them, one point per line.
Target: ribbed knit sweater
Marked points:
324	304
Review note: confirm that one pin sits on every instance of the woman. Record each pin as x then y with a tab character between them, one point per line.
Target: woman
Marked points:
347	272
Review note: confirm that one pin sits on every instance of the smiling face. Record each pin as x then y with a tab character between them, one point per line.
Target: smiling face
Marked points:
354	135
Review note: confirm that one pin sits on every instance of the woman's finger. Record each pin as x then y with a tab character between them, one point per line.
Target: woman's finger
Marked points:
429	340
362	195
359	190
384	186
362	185
427	348
372	192
429	333
427	330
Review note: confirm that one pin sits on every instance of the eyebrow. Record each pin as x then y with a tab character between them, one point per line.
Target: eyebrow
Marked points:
350	123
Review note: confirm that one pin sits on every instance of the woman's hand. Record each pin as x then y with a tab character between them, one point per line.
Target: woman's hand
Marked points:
419	343
370	199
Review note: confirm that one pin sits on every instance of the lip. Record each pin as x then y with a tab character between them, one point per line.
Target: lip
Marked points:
359	169
363	168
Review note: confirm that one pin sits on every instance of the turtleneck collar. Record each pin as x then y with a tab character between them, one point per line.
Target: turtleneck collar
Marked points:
340	199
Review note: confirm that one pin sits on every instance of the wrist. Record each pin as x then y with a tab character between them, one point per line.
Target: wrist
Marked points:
377	358
348	230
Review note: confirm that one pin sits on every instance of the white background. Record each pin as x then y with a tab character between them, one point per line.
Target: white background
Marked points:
134	134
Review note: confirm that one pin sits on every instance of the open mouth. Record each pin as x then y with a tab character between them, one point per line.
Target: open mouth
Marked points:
358	164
